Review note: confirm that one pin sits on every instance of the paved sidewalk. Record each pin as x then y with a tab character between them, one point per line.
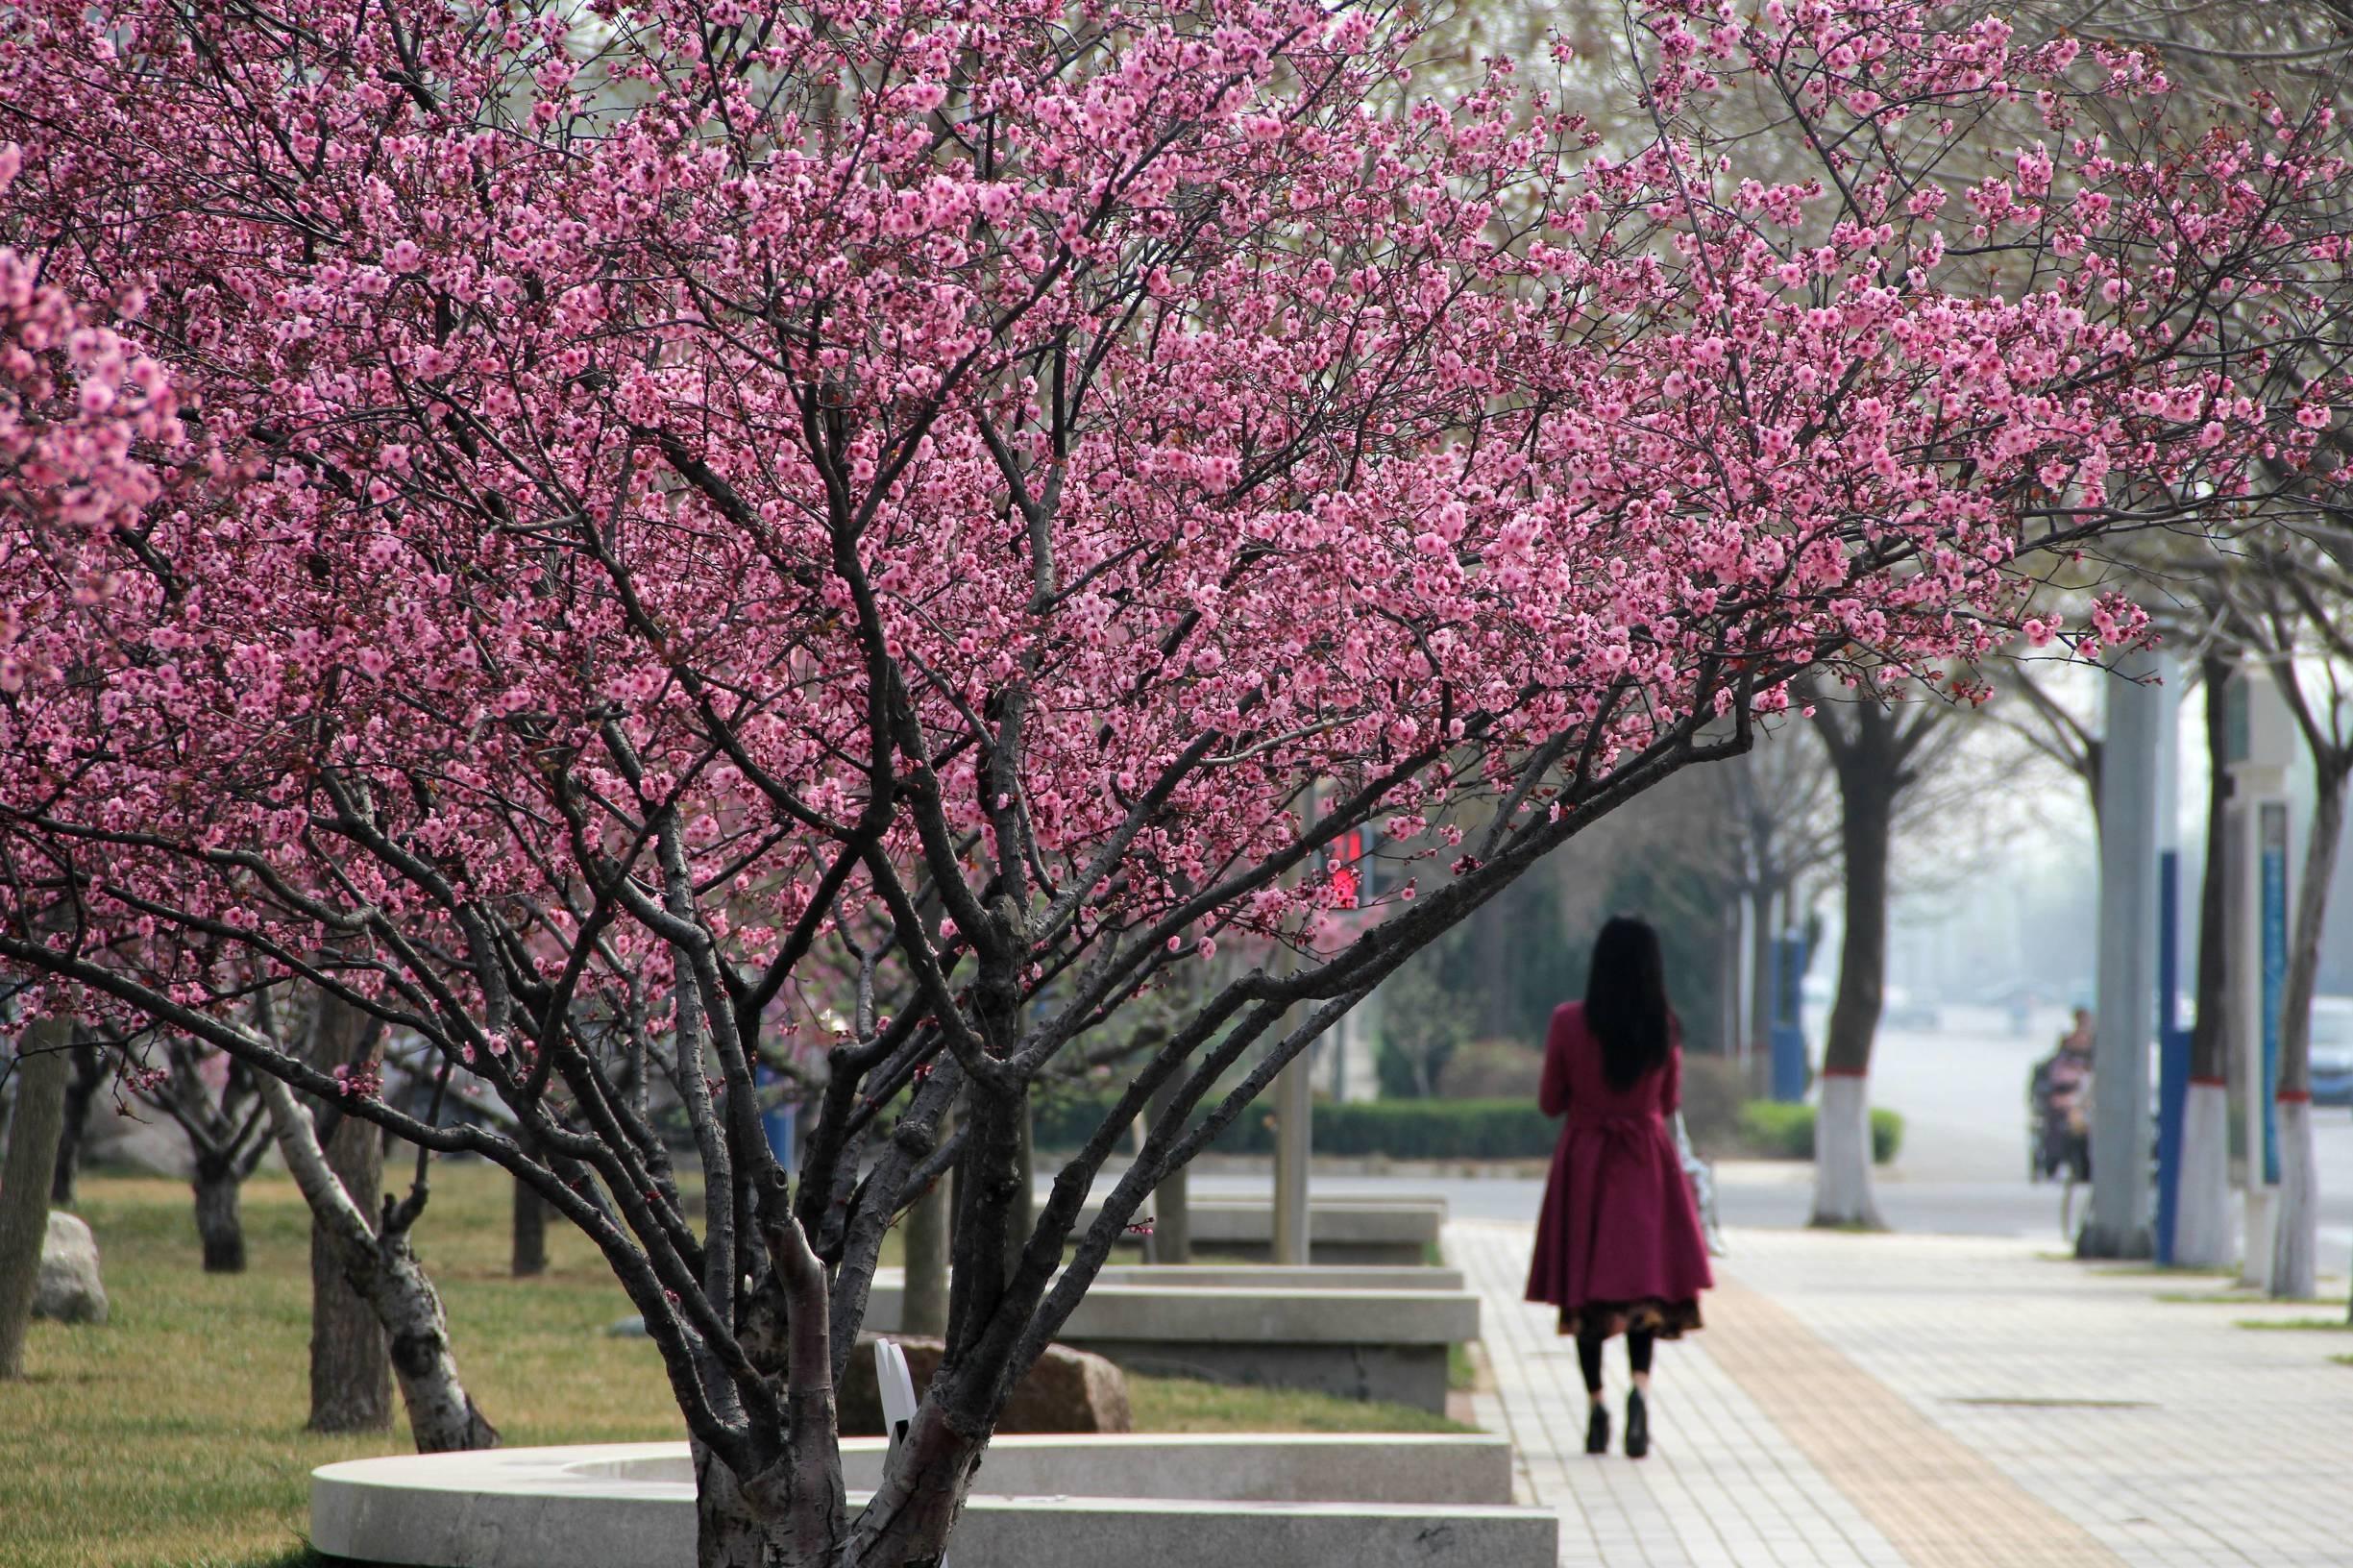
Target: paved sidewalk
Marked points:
1929	1402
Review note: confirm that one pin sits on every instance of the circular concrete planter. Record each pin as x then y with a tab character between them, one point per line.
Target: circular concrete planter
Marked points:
1201	1502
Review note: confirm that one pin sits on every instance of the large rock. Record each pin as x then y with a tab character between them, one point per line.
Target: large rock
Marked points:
1068	1390
68	1289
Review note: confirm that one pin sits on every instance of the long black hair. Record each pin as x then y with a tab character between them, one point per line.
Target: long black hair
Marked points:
1626	1000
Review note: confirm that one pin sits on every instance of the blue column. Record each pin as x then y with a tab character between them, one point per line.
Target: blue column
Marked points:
2172	1051
1788	1035
777	1120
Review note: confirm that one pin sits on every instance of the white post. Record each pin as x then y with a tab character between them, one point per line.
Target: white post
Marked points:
1294	1109
2262	745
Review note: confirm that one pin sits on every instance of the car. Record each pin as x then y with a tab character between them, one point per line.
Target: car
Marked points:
1905	1011
2332	1050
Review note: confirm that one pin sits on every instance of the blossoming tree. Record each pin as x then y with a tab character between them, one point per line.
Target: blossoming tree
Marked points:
980	500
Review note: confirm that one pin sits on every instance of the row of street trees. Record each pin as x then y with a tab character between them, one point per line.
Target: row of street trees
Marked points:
598	540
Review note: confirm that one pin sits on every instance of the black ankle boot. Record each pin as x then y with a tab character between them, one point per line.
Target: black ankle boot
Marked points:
1597	1430
1637	1427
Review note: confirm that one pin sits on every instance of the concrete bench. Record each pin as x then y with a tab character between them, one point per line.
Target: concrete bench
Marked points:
1384	1344
1385	1231
1278	1277
1194	1501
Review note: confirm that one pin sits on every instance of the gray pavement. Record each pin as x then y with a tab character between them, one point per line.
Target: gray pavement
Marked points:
1934	1402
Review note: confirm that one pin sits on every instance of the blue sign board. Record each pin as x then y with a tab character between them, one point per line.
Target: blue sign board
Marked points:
2275	842
777	1120
1787	1036
2172	1053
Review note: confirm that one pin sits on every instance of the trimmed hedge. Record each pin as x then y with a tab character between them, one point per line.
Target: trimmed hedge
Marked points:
1399	1129
1786	1131
1450	1129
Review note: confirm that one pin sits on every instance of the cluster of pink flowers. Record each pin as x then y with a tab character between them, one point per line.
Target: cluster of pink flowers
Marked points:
769	477
360	1080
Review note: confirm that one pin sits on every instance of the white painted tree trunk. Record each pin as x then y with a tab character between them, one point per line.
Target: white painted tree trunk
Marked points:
2202	1207
1842	1154
2295	1241
442	1416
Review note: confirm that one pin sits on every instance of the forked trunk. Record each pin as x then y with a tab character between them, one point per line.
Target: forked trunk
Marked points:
790	1515
404	1308
219	1225
351	1367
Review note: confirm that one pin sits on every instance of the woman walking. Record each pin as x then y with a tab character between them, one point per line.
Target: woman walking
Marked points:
1618	1242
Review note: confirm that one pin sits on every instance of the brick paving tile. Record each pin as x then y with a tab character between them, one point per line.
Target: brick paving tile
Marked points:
1923	1401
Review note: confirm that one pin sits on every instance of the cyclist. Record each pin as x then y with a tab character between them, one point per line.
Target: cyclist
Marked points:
2061	1093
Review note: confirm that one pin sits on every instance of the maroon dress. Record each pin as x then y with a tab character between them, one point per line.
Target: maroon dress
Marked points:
1618	1241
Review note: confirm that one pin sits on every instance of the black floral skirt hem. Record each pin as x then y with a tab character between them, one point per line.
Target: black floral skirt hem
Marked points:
1662	1319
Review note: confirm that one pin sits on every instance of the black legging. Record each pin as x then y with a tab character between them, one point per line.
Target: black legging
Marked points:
1590	1355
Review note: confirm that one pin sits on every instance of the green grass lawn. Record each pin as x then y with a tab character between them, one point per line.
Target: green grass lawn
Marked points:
172	1436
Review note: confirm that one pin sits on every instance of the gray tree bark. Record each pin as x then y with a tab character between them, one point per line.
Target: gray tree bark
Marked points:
529	1253
90	1071
351	1365
220	1227
1022	1215
24	1179
1869	756
924	1306
385	1277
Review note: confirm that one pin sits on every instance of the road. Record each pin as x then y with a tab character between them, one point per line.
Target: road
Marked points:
1962	1169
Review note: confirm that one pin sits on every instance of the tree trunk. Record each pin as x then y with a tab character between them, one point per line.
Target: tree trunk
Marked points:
923	1493
2202	1214
1172	1228
767	1522
1868	783
2296	1218
351	1365
218	1224
24	1179
923	1309
1761	899
530	1237
1022	1215
90	1071
385	1277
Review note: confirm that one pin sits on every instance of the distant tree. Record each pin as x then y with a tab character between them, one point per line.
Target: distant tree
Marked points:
1423	1024
89	1074
1879	748
215	1100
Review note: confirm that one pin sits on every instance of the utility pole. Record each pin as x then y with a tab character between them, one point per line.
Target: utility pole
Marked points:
2136	787
1294	1115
